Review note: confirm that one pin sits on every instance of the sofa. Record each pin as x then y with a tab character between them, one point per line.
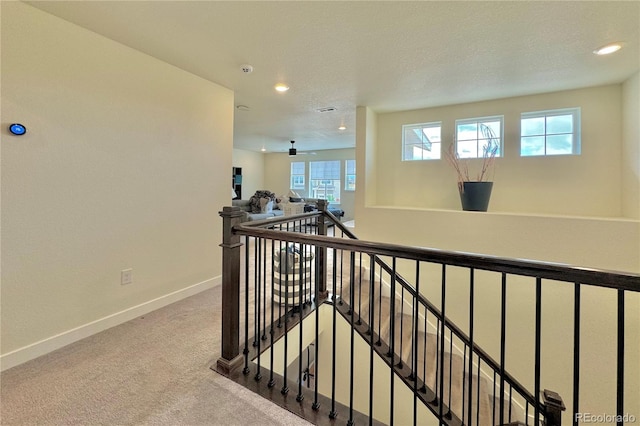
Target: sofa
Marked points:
265	205
248	215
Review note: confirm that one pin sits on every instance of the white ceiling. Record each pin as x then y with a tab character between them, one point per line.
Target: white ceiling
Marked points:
388	55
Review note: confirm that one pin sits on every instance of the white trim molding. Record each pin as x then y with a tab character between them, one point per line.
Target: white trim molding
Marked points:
50	344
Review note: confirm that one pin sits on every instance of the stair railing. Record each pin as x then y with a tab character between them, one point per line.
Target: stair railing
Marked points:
364	260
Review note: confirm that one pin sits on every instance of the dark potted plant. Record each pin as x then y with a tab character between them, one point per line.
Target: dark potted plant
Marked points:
476	192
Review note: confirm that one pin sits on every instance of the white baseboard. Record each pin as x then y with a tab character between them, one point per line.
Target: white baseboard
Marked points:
34	350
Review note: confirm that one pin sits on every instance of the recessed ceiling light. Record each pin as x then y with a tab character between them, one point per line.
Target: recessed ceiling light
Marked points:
263	149
342	127
609	48
280	87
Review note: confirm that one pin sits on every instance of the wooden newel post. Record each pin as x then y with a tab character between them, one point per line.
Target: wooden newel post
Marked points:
231	358
554	408
322	251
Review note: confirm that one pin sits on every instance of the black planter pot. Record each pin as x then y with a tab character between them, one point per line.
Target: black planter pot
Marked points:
475	196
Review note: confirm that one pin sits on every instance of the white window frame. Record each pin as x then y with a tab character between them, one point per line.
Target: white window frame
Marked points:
427	145
479	136
348	168
296	178
575	134
328	183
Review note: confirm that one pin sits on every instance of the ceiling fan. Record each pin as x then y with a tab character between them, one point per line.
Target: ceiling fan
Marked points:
293	151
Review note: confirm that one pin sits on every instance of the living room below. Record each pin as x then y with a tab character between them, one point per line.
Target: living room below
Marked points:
272	171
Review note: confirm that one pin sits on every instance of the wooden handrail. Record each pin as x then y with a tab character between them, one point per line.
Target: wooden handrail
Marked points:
546	270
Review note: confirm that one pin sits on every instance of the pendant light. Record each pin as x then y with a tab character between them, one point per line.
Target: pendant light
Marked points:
292	150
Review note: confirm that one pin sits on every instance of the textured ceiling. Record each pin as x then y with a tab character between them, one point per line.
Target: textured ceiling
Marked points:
388	55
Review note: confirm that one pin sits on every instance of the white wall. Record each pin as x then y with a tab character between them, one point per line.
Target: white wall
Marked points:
277	174
631	147
584	185
252	164
126	164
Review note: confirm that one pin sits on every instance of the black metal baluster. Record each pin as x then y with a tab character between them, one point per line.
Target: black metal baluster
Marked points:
264	290
441	338
342	275
437	389
471	309
359	322
423	389
285	389
379	341
256	342
464	380
537	349
316	405
352	279
280	284
415	312
372	304
493	402
401	327
302	270
272	381
526	414
503	337
576	352
392	335
478	393
256	291
333	413
449	414
620	364
246	370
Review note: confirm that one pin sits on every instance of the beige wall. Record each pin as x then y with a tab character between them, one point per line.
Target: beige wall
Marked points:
584	185
252	164
277	174
126	164
631	147
522	231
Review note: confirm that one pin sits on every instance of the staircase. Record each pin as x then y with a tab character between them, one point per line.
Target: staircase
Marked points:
415	341
468	396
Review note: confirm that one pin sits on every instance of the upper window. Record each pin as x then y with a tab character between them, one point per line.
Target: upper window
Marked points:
350	175
477	136
297	175
554	132
325	180
421	141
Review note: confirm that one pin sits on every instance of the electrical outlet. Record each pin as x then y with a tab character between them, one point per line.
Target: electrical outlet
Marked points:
126	276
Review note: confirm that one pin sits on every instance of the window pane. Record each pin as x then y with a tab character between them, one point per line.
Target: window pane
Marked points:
559	134
559	124
413	152
558	145
350	175
325	169
467	131
473	136
532	145
297	168
326	189
532	126
419	141
468	149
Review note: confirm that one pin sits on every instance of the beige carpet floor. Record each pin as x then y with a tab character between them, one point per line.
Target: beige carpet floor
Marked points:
153	370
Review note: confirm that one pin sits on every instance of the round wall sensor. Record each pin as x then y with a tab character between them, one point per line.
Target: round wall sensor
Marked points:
17	129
